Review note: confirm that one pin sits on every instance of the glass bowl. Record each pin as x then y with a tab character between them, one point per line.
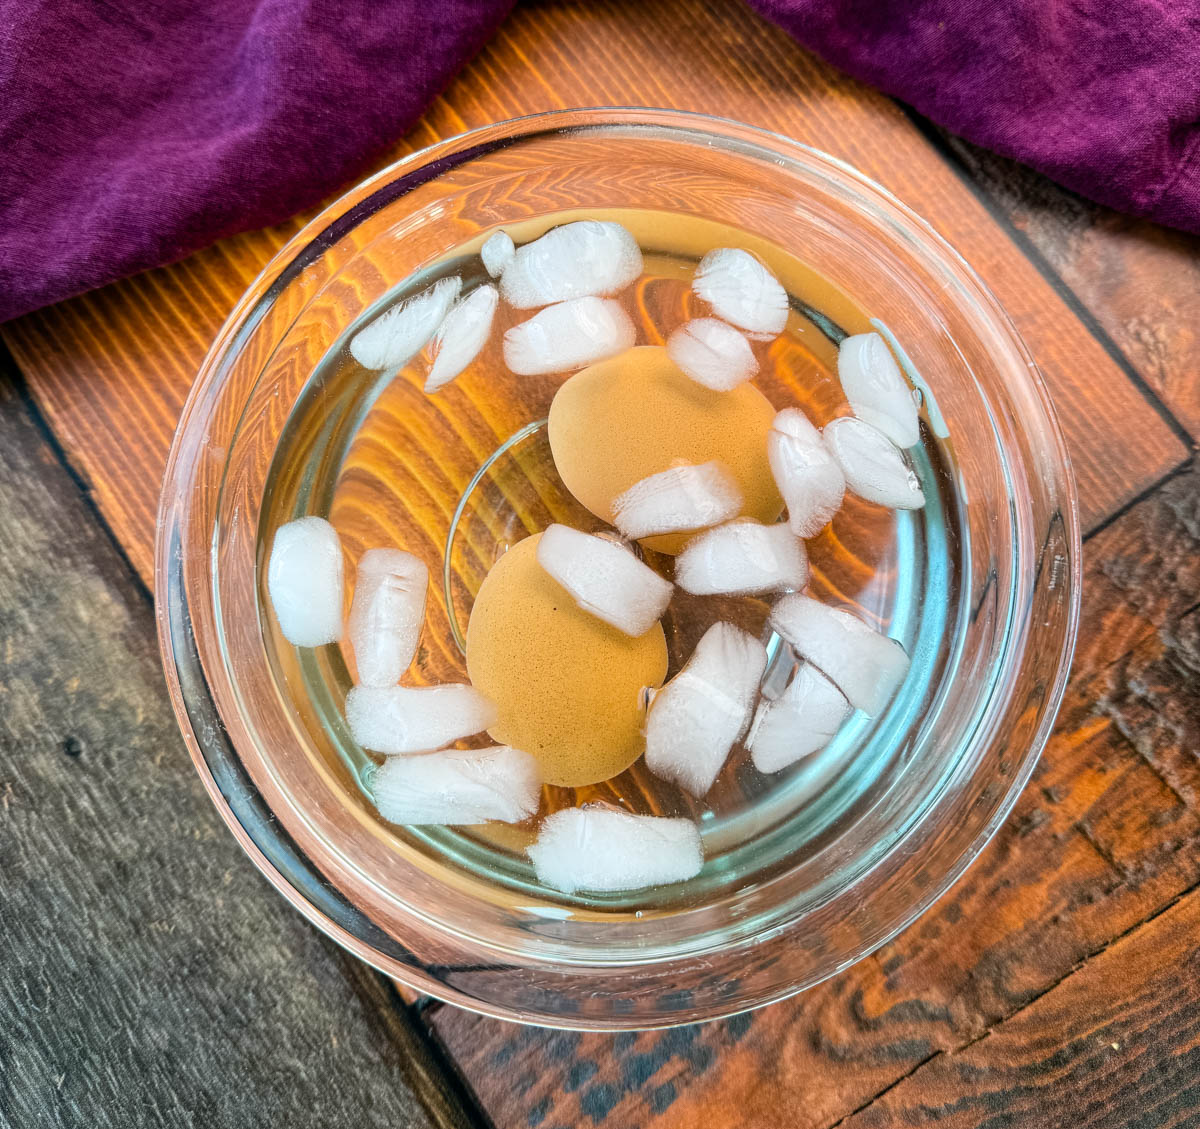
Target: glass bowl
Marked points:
780	905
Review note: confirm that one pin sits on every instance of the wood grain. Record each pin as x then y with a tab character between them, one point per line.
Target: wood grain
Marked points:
1116	1044
110	370
1139	281
1142	572
1106	835
150	976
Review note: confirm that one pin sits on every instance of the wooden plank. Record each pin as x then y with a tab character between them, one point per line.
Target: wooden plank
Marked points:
1142	571
1105	836
111	369
1141	282
1114	1045
151	977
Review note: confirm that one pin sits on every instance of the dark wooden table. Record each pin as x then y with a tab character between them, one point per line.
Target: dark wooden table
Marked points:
152	978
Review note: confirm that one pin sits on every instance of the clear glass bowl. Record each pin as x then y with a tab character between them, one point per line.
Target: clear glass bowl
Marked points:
993	630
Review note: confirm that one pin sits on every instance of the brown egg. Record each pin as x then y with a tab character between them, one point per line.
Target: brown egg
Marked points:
567	685
619	421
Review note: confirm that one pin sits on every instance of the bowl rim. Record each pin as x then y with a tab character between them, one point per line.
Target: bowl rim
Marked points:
291	257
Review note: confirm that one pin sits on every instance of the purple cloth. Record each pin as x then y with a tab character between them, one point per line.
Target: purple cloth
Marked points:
1101	95
134	131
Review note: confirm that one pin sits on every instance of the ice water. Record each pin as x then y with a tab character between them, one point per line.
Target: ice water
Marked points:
460	477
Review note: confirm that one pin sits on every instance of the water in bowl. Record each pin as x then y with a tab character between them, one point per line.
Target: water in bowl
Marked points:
461	476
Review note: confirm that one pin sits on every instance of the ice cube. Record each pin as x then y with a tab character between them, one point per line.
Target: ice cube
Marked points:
398	720
604	578
697	716
568	336
462	335
810	481
458	786
677	499
305	580
603	849
800	722
740	558
874	467
400	333
497	252
864	664
742	291
712	353
386	614
876	388
577	260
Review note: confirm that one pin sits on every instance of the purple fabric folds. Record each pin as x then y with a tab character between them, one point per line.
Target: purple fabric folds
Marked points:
134	131
1102	96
